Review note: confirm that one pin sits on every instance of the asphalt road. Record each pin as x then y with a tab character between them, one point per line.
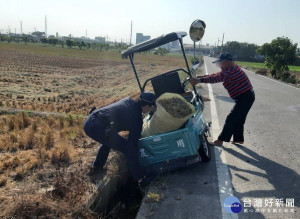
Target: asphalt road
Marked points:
267	166
262	173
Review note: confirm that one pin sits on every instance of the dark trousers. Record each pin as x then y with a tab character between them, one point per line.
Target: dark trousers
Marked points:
98	129
234	124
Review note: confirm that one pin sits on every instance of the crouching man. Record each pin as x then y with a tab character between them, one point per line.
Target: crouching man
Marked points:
103	126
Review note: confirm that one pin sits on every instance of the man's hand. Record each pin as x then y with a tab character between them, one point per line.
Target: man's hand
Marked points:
194	81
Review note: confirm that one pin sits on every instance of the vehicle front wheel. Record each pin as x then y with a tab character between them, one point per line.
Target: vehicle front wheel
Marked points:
204	149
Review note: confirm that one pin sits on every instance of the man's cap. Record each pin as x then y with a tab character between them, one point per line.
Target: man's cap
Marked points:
224	56
148	97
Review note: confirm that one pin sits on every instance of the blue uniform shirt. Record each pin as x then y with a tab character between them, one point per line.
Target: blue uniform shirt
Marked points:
126	115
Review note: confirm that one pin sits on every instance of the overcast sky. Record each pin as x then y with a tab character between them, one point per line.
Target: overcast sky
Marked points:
254	21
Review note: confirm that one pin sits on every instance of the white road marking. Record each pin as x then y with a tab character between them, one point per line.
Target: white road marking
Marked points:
224	182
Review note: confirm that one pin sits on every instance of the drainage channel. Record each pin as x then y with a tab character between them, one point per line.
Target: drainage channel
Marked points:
126	203
117	195
116	198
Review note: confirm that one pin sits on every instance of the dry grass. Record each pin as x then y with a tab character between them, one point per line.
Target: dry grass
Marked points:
33	141
64	199
62	153
175	106
153	197
3	180
44	160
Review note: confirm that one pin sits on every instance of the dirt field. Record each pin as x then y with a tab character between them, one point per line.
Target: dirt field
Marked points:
66	82
44	160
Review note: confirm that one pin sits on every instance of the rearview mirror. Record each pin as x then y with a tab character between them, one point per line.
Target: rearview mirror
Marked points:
197	30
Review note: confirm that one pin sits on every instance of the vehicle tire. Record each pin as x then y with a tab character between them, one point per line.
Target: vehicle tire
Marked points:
204	149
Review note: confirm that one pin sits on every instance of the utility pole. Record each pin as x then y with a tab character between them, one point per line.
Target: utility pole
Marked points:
46	26
222	43
85	33
21	27
200	47
130	33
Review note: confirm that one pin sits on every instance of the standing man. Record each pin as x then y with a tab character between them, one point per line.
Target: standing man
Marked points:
104	124
240	89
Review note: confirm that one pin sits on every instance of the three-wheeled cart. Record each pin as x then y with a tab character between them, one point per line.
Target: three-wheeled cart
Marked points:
187	145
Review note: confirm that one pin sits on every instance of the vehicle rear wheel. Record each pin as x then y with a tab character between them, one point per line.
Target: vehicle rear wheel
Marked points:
204	149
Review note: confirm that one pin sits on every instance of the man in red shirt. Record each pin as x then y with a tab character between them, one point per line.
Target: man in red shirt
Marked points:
240	89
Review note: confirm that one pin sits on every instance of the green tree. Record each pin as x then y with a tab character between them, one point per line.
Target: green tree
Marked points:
94	46
81	44
25	39
101	46
33	41
106	46
2	38
241	51
53	41
162	51
278	54
69	43
44	41
61	42
15	39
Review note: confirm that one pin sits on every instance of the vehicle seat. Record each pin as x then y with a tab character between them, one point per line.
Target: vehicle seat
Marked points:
167	83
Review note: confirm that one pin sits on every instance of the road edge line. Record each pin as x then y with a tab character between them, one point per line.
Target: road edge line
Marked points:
224	182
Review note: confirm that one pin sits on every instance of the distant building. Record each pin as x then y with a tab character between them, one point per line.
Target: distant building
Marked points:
203	50
51	37
147	38
172	46
141	38
166	46
38	34
175	44
100	39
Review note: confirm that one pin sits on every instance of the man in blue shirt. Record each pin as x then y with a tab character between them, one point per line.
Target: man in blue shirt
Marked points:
104	124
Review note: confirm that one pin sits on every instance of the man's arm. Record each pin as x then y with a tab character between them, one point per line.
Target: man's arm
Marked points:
211	78
132	152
